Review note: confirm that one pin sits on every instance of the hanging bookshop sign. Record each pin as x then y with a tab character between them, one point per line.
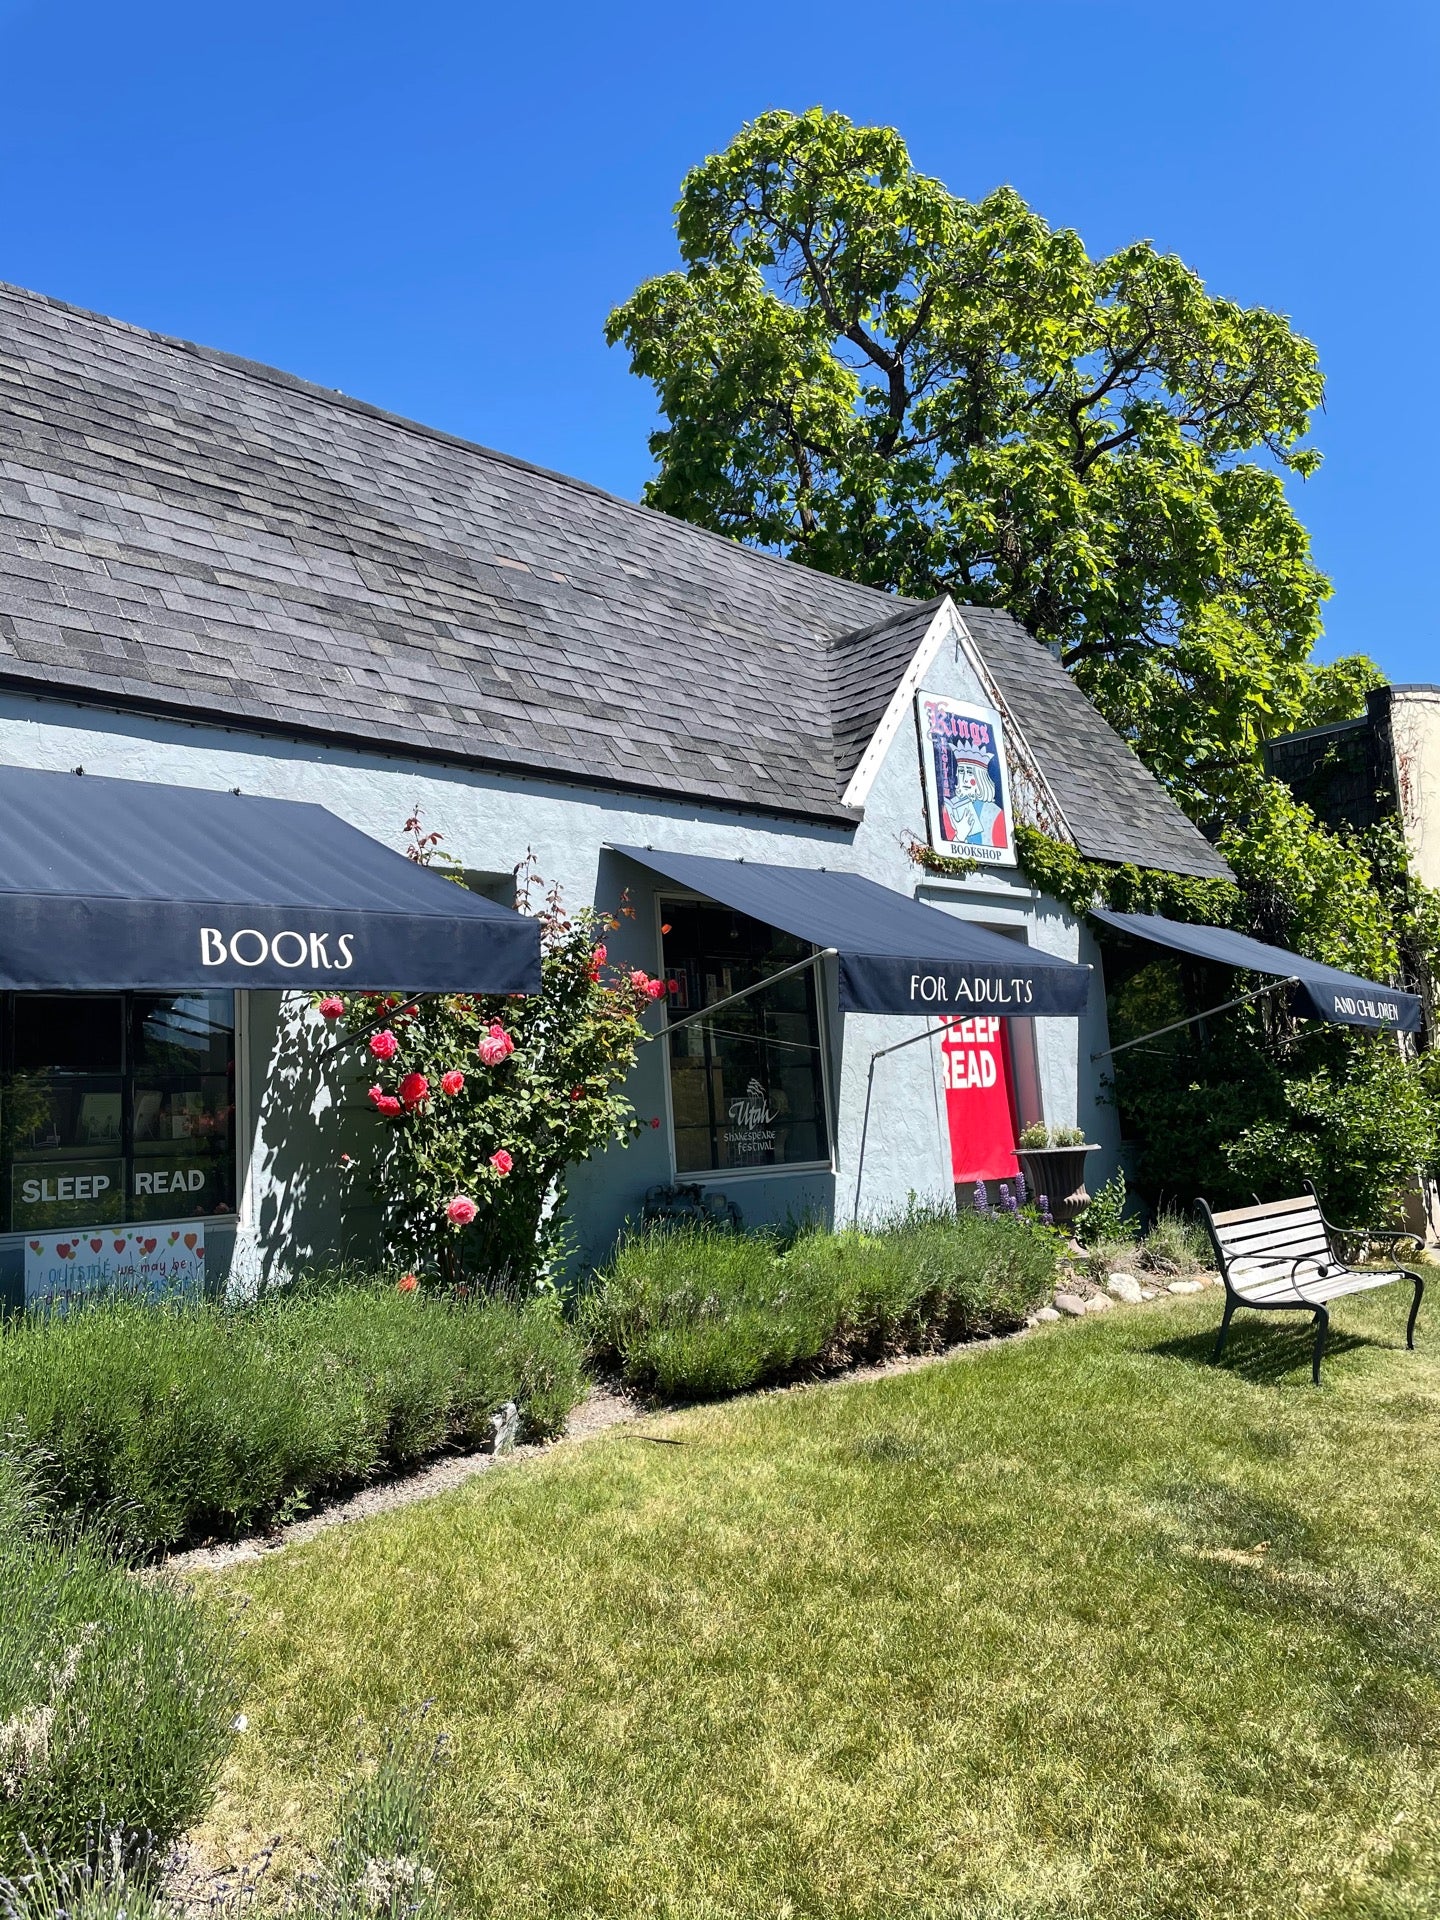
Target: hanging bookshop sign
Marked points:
967	781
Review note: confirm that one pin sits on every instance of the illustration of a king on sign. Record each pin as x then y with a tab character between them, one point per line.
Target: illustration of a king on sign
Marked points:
967	789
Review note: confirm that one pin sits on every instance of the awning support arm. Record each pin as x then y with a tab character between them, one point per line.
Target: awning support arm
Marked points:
1175	1025
930	1033
704	1013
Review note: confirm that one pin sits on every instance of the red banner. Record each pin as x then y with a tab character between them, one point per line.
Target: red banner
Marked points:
979	1099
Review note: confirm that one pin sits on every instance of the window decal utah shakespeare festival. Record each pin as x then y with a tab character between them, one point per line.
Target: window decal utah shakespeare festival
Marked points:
967	782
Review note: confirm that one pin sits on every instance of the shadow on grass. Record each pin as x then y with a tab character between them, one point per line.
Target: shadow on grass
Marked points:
1265	1352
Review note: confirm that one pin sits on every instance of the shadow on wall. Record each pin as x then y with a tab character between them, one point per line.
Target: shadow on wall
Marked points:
310	1204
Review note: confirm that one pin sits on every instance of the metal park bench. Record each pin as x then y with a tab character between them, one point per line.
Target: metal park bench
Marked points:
1284	1257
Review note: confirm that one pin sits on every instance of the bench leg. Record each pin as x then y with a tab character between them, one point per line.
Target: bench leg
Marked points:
1224	1329
1322	1327
1414	1310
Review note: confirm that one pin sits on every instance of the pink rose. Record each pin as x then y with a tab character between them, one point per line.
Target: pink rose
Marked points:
375	1095
413	1089
461	1211
655	989
495	1046
638	979
501	1162
599	957
384	1045
452	1081
332	1007
387	1105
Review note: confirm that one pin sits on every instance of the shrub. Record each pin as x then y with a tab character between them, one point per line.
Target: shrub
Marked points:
182	1422
116	1697
1104	1220
1176	1243
482	1103
689	1312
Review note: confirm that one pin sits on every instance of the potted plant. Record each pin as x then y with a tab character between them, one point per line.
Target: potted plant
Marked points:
1053	1162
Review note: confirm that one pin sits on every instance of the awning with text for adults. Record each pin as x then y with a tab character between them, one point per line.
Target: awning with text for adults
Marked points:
108	885
896	955
1323	992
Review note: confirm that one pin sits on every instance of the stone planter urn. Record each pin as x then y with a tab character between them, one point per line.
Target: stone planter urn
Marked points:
1058	1173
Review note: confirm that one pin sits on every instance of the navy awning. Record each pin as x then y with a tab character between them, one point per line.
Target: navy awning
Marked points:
896	955
1325	992
122	884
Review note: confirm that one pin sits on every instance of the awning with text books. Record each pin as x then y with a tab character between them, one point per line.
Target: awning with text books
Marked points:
895	954
113	885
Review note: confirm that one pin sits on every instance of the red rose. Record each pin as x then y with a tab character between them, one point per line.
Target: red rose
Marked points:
388	1105
501	1162
461	1211
577	1093
599	957
672	986
332	1007
656	1121
407	1283
413	1089
452	1081
384	1045
655	989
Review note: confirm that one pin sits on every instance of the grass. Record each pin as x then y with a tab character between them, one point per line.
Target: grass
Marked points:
695	1313
1075	1626
186	1422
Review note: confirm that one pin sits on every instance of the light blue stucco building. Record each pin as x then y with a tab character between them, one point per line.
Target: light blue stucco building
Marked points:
213	576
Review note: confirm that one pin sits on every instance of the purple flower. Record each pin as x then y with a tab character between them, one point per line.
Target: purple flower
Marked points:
982	1203
1020	1188
1044	1205
1007	1199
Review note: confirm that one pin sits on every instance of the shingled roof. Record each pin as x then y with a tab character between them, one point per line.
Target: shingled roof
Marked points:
186	532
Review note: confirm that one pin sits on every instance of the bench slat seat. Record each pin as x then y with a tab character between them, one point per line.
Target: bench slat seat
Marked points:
1282	1256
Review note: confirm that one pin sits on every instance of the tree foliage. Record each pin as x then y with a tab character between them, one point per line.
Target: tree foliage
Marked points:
869	374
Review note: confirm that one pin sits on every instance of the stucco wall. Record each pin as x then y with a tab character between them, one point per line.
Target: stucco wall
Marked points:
299	1202
1415	739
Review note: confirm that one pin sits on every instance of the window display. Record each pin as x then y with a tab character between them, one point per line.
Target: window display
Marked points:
116	1107
748	1088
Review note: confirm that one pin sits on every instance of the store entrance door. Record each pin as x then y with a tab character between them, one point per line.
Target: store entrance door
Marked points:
980	1099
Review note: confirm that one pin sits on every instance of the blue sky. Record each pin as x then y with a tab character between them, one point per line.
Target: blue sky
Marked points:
433	206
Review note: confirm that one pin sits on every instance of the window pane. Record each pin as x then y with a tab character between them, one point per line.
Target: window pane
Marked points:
747	1090
117	1107
76	1032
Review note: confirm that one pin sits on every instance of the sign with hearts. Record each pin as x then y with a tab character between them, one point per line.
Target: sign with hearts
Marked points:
60	1268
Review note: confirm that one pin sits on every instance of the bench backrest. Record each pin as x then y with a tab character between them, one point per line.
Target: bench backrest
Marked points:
1247	1237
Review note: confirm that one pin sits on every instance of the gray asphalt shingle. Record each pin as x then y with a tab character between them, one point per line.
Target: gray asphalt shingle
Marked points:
185	530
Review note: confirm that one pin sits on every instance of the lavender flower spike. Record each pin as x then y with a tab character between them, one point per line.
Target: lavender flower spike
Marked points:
982	1203
1020	1188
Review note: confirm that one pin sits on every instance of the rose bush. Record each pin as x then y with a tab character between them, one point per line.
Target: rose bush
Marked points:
470	1183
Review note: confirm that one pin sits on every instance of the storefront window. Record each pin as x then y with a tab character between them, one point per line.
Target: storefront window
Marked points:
116	1107
748	1088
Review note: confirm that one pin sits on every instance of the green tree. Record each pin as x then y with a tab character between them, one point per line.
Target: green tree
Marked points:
864	372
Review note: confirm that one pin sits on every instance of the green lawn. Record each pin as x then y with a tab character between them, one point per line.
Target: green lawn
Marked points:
1071	1626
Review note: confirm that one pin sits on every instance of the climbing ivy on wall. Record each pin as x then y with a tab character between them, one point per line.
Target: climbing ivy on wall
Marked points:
1066	875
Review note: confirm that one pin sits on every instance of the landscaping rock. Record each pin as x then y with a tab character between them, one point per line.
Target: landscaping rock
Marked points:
1125	1286
1070	1303
504	1426
1045	1313
1075	1250
1099	1303
1186	1286
1147	1293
